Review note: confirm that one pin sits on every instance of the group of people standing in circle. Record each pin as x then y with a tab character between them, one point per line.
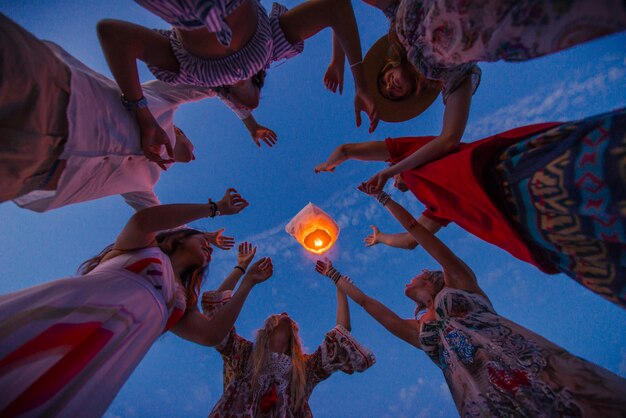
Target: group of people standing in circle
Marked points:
551	194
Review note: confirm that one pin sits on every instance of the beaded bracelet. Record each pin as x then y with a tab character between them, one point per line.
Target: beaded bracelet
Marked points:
383	198
335	275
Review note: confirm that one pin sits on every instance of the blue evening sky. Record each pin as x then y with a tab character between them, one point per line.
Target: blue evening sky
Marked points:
180	379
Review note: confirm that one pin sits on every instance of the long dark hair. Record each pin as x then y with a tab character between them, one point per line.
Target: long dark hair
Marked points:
168	242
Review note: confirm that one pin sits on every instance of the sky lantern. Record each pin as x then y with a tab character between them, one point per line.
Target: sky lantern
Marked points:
314	229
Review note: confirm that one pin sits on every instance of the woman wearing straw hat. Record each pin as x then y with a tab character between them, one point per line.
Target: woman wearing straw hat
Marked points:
433	45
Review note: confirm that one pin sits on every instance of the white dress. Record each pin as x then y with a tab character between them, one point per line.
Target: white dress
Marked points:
68	346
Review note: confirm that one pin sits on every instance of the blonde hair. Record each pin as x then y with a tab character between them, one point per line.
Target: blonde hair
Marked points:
397	56
395	60
261	353
436	278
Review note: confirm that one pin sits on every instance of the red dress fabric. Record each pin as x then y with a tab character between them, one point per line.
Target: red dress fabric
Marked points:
456	189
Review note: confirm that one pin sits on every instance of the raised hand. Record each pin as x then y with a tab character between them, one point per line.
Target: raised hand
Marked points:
363	102
260	271
325	166
153	138
323	267
231	203
372	239
261	133
375	184
219	240
245	255
333	78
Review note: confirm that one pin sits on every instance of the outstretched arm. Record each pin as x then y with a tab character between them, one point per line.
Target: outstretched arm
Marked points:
309	18
402	240
195	327
363	151
401	328
456	273
141	229
454	121
219	240
343	310
244	258
259	132
123	43
333	78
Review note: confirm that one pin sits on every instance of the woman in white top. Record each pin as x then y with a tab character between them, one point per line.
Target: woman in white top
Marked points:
68	346
65	136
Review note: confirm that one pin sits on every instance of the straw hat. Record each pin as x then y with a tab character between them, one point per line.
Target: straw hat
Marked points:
394	110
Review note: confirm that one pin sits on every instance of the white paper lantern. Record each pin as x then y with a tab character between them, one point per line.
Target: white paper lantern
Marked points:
314	229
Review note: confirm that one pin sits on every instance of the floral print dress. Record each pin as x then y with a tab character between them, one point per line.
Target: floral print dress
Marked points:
497	368
339	351
444	38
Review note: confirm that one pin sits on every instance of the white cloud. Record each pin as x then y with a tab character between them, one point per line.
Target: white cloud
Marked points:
493	275
412	401
201	393
268	233
616	74
445	390
564	98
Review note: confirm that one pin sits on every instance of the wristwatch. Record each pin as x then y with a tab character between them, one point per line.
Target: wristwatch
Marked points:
134	104
216	211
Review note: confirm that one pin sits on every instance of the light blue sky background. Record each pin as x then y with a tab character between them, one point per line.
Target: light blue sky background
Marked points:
179	379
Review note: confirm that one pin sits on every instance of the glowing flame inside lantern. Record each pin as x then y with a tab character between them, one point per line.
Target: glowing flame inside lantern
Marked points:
317	240
314	229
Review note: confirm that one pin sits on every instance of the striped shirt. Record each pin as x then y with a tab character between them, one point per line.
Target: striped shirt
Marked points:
194	14
267	45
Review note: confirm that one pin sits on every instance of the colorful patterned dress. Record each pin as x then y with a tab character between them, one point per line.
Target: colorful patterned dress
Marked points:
339	351
497	368
444	38
68	346
565	190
